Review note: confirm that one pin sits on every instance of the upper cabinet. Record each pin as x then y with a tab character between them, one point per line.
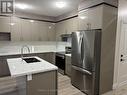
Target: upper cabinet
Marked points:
37	31
43	31
96	14
46	31
34	26
60	29
26	30
71	25
66	27
5	24
51	32
90	18
31	30
16	29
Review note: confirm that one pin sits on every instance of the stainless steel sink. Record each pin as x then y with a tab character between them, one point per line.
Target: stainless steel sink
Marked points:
31	60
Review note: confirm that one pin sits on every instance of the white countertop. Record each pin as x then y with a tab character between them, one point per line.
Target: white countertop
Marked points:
68	55
18	67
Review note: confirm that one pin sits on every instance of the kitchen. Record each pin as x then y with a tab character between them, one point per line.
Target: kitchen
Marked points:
62	48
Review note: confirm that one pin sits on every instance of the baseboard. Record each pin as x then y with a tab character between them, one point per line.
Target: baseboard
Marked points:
115	86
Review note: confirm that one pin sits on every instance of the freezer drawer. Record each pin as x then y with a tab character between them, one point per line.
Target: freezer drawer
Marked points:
82	80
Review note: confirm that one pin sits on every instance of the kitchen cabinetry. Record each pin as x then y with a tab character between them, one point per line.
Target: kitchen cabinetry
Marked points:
43	33
34	31
5	24
91	18
30	30
26	29
46	31
72	25
51	32
43	84
37	31
50	57
4	71
66	27
60	29
68	65
16	29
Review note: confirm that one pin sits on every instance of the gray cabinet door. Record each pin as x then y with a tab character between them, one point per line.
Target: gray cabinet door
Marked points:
50	57
43	84
68	66
4	69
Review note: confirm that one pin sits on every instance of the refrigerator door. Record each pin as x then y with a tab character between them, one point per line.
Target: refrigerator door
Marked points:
83	49
82	80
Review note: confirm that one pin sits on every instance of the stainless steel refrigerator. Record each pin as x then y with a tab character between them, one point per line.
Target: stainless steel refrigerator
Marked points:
86	52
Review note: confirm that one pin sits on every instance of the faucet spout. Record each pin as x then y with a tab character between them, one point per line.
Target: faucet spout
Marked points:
22	49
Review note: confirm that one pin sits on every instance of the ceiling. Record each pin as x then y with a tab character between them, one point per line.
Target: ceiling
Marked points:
47	7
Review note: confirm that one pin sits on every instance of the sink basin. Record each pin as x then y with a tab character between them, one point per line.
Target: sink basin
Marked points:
31	60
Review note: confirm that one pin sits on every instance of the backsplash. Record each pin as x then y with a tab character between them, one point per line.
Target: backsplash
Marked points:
35	47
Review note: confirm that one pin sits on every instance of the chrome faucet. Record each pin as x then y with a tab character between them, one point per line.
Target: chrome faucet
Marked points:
25	46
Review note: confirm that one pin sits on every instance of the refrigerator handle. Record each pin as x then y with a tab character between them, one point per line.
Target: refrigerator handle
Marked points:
82	70
82	49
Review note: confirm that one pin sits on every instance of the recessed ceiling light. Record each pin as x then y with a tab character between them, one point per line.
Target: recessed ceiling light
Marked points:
53	23
60	4
12	24
31	20
21	6
50	27
82	17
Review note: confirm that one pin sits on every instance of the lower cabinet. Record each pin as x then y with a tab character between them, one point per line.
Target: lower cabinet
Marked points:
50	57
68	66
43	84
4	69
